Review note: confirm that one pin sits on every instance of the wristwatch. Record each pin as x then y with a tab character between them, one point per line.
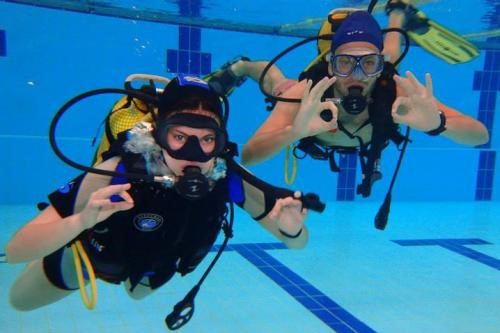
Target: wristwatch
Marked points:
442	125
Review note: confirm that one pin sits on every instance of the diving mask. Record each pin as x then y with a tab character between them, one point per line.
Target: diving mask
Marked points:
192	148
369	64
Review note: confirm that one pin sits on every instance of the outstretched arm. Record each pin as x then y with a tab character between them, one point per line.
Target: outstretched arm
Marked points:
393	40
416	107
254	70
286	219
50	231
280	211
290	121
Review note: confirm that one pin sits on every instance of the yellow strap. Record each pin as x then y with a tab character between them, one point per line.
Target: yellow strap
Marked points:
317	59
290	180
79	252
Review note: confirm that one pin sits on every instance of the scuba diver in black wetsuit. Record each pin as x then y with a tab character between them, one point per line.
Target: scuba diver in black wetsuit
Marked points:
142	232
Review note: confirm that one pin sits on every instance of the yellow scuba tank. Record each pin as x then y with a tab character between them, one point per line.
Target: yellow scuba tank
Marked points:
328	27
126	112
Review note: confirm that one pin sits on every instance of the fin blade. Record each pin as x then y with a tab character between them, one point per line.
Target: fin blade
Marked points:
436	39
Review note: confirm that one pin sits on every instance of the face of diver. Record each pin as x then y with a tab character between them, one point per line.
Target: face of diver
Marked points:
179	136
358	77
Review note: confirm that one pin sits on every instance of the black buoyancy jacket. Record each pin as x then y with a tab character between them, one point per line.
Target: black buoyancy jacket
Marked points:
162	234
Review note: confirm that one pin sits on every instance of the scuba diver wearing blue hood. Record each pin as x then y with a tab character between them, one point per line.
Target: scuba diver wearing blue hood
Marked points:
142	232
352	100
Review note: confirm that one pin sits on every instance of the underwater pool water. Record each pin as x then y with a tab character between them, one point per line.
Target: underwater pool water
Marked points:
434	269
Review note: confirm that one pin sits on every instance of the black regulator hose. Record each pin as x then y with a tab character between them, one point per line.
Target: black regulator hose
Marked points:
279	56
53	126
371	5
407	43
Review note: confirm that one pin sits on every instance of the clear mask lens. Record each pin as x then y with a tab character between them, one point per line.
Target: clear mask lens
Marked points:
345	64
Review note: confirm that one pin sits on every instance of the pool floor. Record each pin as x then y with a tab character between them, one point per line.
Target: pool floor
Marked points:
436	268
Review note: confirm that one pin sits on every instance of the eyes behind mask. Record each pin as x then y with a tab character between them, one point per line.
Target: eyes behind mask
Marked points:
345	64
191	150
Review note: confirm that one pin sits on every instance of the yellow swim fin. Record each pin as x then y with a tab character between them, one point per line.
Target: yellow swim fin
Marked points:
433	37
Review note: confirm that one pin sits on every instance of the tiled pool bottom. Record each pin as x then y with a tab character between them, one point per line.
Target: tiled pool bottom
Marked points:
435	268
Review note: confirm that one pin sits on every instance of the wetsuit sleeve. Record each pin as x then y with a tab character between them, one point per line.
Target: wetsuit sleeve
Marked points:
238	175
63	199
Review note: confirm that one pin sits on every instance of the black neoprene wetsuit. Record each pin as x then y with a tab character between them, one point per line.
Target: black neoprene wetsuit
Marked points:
162	234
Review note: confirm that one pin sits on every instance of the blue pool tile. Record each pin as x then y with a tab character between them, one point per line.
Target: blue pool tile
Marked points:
293	290
190	8
342	180
271	246
486	81
252	246
311	290
344	194
351	321
275	275
488	177
341	328
184	38
495	82
490	159
488	61
484	194
484	99
495	60
458	245
292	277
309	303
195	39
3	43
487	100
483	81
326	302
326	316
486	117
172	61
183	62
350	194
195	63
256	261
351	179
206	63
189	38
349	161
481	180
483	161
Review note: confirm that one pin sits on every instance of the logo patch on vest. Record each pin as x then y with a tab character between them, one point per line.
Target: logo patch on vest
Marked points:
148	222
66	188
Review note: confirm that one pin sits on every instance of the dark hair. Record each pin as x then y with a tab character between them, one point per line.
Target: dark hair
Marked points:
192	101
